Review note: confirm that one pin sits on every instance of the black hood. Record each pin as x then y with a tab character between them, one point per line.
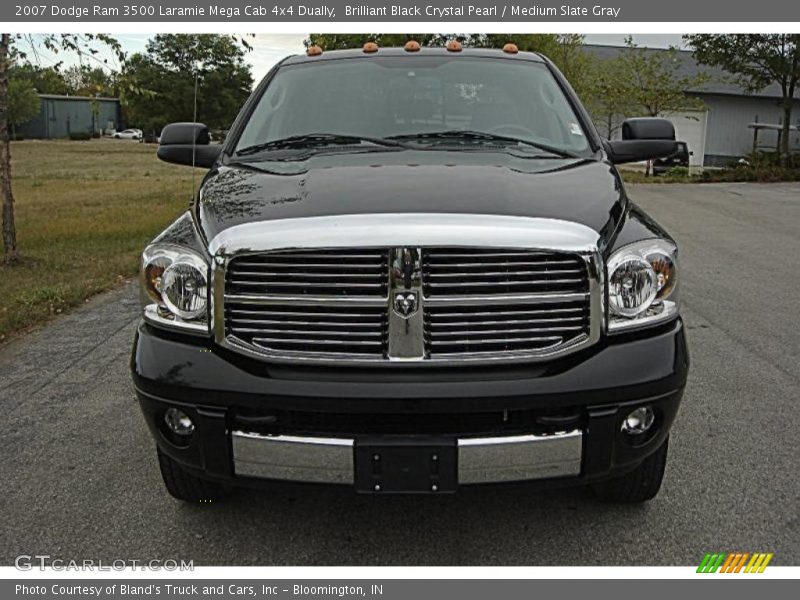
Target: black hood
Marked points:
498	183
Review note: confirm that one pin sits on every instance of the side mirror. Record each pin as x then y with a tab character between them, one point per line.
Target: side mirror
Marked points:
187	144
642	139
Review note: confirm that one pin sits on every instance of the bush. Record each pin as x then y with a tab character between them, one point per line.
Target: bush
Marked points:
80	136
741	172
678	172
96	134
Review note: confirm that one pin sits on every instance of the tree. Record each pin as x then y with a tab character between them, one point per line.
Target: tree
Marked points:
158	86
343	41
23	103
11	49
84	80
45	80
757	60
655	83
607	97
10	254
564	50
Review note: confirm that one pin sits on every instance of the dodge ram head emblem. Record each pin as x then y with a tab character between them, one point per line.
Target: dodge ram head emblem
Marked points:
405	304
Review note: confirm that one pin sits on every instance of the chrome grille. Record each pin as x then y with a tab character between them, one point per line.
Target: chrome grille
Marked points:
473	304
299	303
552	312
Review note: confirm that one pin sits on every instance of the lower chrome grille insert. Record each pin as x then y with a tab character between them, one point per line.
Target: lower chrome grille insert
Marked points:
308	329
502	328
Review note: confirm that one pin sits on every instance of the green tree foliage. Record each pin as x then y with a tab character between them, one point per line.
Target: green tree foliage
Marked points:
84	80
756	61
607	98
654	82
344	41
45	80
564	50
157	86
23	103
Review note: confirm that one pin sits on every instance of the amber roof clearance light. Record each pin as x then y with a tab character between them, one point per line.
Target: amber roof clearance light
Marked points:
411	46
454	46
314	51
510	48
370	47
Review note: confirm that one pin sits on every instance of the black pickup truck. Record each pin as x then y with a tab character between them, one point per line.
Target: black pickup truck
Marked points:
408	270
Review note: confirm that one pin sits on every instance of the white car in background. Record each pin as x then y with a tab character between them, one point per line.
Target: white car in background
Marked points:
128	134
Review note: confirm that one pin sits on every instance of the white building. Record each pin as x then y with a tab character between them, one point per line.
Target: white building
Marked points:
719	134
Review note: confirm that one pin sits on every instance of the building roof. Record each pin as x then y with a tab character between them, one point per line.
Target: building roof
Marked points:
721	82
68	97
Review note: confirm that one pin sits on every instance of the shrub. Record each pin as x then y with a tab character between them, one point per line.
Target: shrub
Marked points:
80	136
678	172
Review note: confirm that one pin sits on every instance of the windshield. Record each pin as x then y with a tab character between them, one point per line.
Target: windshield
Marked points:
400	97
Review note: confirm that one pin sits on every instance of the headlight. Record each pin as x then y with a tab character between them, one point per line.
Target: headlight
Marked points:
175	287
642	285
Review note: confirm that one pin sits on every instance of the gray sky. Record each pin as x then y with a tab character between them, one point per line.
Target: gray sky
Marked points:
269	48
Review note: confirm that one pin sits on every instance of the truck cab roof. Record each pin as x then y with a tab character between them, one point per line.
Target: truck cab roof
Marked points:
424	51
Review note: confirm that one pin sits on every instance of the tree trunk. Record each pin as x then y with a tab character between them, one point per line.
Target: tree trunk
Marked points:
785	133
10	253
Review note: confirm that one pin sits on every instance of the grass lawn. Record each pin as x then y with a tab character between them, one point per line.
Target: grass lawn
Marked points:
84	212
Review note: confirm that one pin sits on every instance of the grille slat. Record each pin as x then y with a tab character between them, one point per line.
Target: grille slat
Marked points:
312	332
507	273
547	264
293	265
295	341
294	313
531	322
508	332
310	323
505	281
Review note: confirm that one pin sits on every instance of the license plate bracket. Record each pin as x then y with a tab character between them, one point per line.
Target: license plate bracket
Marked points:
406	465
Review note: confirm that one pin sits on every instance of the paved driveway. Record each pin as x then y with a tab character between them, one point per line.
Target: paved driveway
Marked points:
80	480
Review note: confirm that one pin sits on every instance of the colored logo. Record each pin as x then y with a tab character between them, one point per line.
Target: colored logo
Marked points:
735	562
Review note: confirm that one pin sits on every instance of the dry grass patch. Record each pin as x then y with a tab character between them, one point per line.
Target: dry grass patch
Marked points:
84	212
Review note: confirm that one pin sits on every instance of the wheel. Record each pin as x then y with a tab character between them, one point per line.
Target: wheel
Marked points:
187	487
639	485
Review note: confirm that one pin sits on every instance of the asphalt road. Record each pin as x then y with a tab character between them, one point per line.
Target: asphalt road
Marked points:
79	475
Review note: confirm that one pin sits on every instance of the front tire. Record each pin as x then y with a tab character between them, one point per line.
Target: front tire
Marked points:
185	486
639	485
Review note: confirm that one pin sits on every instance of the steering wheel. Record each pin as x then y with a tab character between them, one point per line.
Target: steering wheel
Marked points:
510	128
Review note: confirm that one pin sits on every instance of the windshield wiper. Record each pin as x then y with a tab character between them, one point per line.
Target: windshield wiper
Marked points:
316	139
466	134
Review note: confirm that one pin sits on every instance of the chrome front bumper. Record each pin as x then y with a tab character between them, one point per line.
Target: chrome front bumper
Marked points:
480	460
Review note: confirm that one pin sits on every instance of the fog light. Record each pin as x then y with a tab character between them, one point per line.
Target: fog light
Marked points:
638	421
178	422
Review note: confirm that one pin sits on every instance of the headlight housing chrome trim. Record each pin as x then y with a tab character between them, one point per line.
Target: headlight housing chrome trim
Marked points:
656	260
161	310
